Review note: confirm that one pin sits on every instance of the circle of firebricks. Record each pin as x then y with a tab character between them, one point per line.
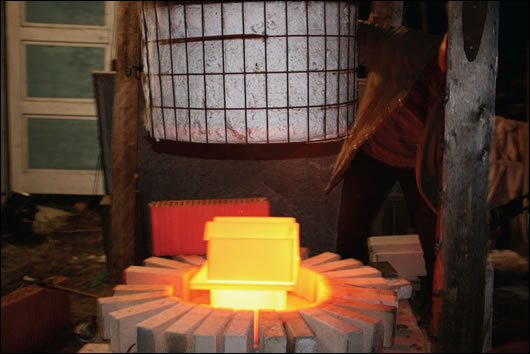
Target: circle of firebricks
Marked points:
352	309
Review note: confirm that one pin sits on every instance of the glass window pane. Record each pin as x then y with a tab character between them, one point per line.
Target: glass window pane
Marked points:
66	12
62	71
70	144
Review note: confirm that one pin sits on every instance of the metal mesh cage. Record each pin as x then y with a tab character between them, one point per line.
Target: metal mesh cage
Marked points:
249	72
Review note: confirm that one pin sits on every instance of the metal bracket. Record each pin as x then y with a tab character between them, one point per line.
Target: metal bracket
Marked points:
473	20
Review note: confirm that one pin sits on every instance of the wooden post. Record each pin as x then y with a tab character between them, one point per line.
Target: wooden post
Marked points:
124	140
459	278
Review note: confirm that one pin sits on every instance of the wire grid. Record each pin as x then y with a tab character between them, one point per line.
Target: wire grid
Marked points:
249	72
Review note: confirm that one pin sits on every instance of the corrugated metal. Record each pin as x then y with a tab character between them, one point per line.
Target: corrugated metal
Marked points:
177	227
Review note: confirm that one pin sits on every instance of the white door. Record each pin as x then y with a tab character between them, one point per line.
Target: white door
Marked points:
52	49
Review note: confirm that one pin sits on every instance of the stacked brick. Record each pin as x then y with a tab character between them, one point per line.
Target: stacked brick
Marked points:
403	252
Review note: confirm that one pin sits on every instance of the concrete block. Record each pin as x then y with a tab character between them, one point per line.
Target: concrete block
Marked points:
363	272
150	332
376	296
106	305
403	252
131	289
371	327
239	333
348	263
407	264
300	338
179	336
123	322
334	335
402	287
374	283
351	295
381	292
320	259
304	253
272	337
178	279
167	263
194	260
387	314
394	243
208	337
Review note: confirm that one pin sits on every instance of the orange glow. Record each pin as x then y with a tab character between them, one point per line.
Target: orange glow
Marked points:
323	289
252	249
273	300
252	262
170	290
256	330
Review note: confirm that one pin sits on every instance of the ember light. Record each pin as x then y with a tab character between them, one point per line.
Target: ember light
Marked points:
252	262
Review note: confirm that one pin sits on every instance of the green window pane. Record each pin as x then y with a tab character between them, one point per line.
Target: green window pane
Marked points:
70	144
62	71
66	12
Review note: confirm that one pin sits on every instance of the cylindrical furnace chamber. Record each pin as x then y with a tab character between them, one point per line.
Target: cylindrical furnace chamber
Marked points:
249	72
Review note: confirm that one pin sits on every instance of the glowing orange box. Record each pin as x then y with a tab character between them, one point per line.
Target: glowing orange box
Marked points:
255	250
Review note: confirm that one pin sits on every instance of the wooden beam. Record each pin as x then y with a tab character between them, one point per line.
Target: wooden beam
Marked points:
124	140
459	277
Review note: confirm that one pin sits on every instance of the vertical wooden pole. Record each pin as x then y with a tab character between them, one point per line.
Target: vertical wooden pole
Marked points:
124	136
459	278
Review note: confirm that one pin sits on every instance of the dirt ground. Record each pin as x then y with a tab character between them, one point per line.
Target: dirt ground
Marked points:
71	244
72	247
